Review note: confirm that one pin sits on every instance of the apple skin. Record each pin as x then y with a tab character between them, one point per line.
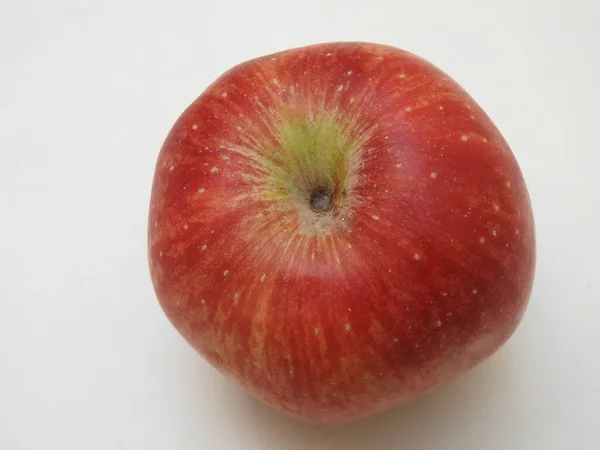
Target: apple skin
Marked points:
417	266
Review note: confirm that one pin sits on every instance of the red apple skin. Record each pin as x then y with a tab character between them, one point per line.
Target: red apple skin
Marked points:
422	269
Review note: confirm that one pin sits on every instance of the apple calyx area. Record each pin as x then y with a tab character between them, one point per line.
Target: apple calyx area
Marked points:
313	171
320	199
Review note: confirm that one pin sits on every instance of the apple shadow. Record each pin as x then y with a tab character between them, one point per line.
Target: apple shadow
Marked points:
435	420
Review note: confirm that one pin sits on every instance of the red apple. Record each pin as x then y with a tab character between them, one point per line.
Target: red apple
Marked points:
340	228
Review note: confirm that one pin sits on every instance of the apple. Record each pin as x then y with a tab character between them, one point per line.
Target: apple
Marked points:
340	228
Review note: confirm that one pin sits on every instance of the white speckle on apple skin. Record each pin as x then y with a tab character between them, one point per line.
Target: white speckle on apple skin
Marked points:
398	166
236	297
204	247
402	75
316	331
416	257
351	99
275	81
214	170
396	340
481	240
433	175
440	107
375	217
408	109
508	184
464	138
496	207
225	273
224	94
203	301
201	191
494	233
348	327
349	73
194	127
340	88
475	291
262	278
185	227
438	324
171	168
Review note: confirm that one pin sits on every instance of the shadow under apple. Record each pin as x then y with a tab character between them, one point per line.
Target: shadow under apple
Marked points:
456	413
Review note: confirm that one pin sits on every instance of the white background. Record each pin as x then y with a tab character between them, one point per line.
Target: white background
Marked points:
88	92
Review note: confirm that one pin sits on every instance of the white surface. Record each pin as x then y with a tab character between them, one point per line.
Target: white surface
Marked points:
88	92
